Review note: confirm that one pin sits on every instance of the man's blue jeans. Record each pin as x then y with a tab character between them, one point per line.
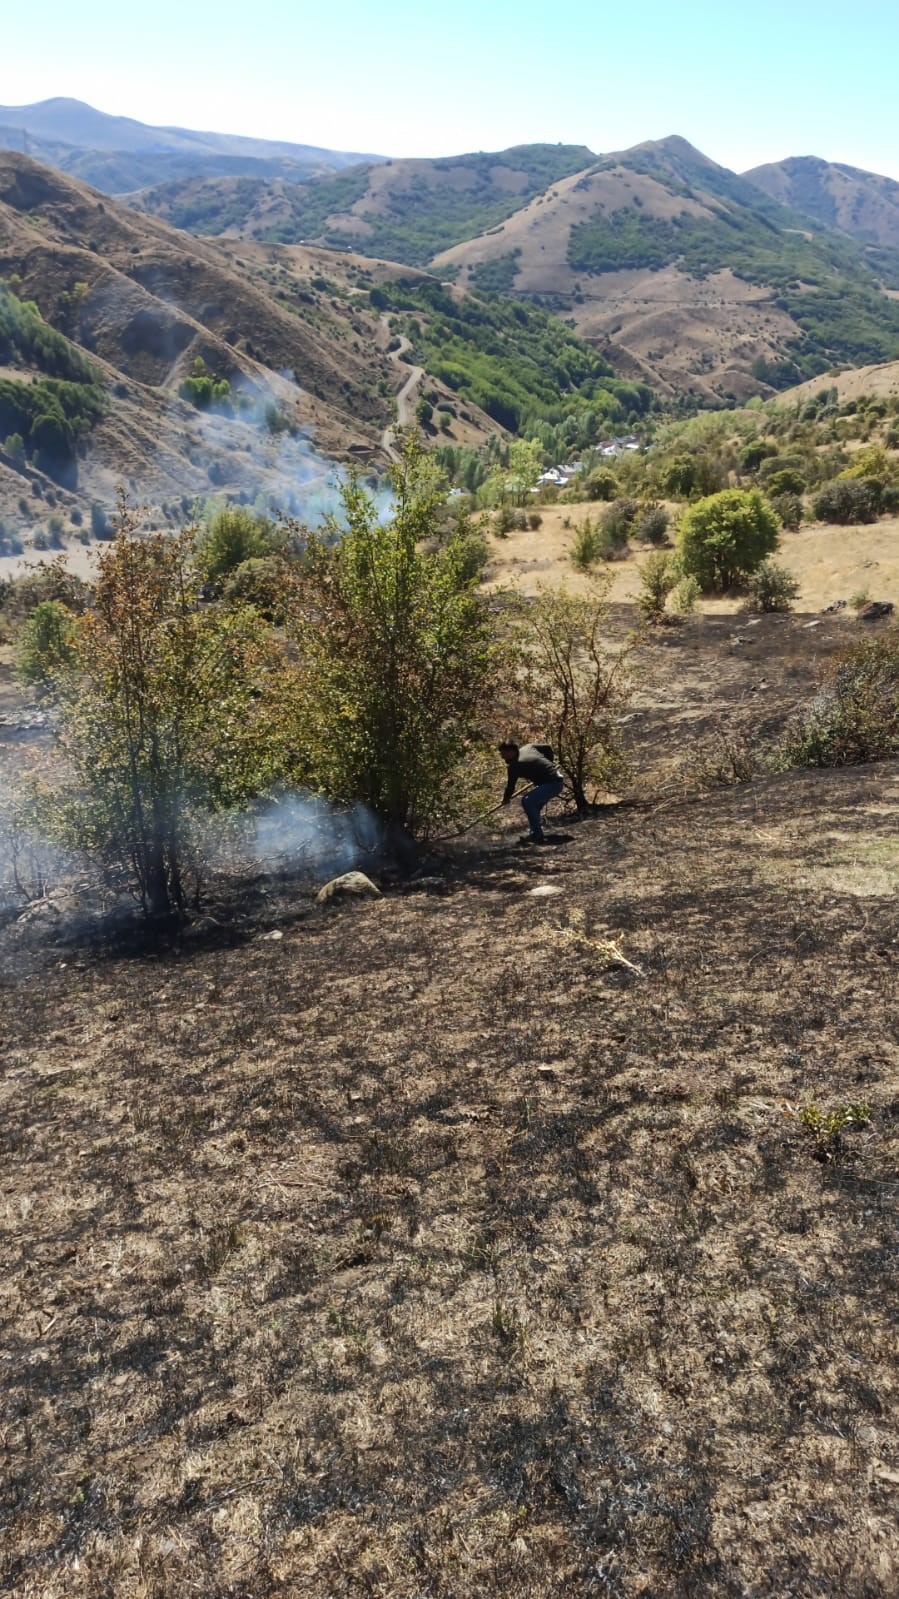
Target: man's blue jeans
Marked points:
533	803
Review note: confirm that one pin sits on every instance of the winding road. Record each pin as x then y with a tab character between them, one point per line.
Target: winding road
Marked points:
405	399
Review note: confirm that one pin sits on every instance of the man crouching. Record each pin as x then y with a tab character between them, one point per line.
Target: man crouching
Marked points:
534	763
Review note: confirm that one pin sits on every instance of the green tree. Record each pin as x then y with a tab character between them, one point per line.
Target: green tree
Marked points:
723	538
525	466
395	653
162	715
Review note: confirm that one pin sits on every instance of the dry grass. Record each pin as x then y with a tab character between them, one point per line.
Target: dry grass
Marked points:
424	1252
830	563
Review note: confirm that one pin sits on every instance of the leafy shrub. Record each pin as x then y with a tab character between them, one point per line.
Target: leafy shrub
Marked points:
395	655
873	462
162	716
855	717
789	509
14	447
658	576
651	525
616	523
259	582
585	551
10	543
847	500
725	537
601	485
771	588
535	520
754	453
685	596
233	535
46	642
787	481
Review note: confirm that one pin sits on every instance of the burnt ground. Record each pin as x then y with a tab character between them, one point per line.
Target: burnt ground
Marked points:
423	1251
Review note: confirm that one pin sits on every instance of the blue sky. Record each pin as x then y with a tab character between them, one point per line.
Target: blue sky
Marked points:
746	84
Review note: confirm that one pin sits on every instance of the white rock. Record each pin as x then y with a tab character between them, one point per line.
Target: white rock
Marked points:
349	883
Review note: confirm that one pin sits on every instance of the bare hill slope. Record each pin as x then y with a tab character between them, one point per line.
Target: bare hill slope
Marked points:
689	274
309	358
848	199
145	303
403	210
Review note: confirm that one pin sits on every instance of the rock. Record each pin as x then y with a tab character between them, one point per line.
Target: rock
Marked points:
837	605
876	610
543	891
349	883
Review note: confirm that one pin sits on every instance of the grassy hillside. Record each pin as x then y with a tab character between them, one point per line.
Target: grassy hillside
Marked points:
399	210
835	196
517	362
130	305
831	287
692	274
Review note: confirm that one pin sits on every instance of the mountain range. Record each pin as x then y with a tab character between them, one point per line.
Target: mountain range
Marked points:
118	154
520	289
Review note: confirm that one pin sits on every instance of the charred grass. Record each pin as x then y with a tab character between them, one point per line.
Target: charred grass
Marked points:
422	1252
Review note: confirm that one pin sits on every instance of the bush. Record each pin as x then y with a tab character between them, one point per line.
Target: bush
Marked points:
46	642
873	462
233	535
754	453
585	551
601	485
685	596
789	509
771	588
395	655
14	446
786	482
258	582
658	575
651	526
10	543
847	500
162	716
855	717
723	538
574	687
616	524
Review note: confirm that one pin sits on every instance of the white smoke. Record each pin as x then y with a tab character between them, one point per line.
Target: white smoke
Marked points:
301	832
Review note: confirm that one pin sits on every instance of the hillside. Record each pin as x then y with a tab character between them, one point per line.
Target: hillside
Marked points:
688	273
839	197
411	1247
143	303
399	210
118	154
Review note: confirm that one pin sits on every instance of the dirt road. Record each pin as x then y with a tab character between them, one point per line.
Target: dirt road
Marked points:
405	399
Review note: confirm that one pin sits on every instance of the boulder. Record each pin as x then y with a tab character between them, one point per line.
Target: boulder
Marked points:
876	610
349	883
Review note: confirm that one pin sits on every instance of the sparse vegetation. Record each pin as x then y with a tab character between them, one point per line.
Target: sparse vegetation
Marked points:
855	716
771	588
